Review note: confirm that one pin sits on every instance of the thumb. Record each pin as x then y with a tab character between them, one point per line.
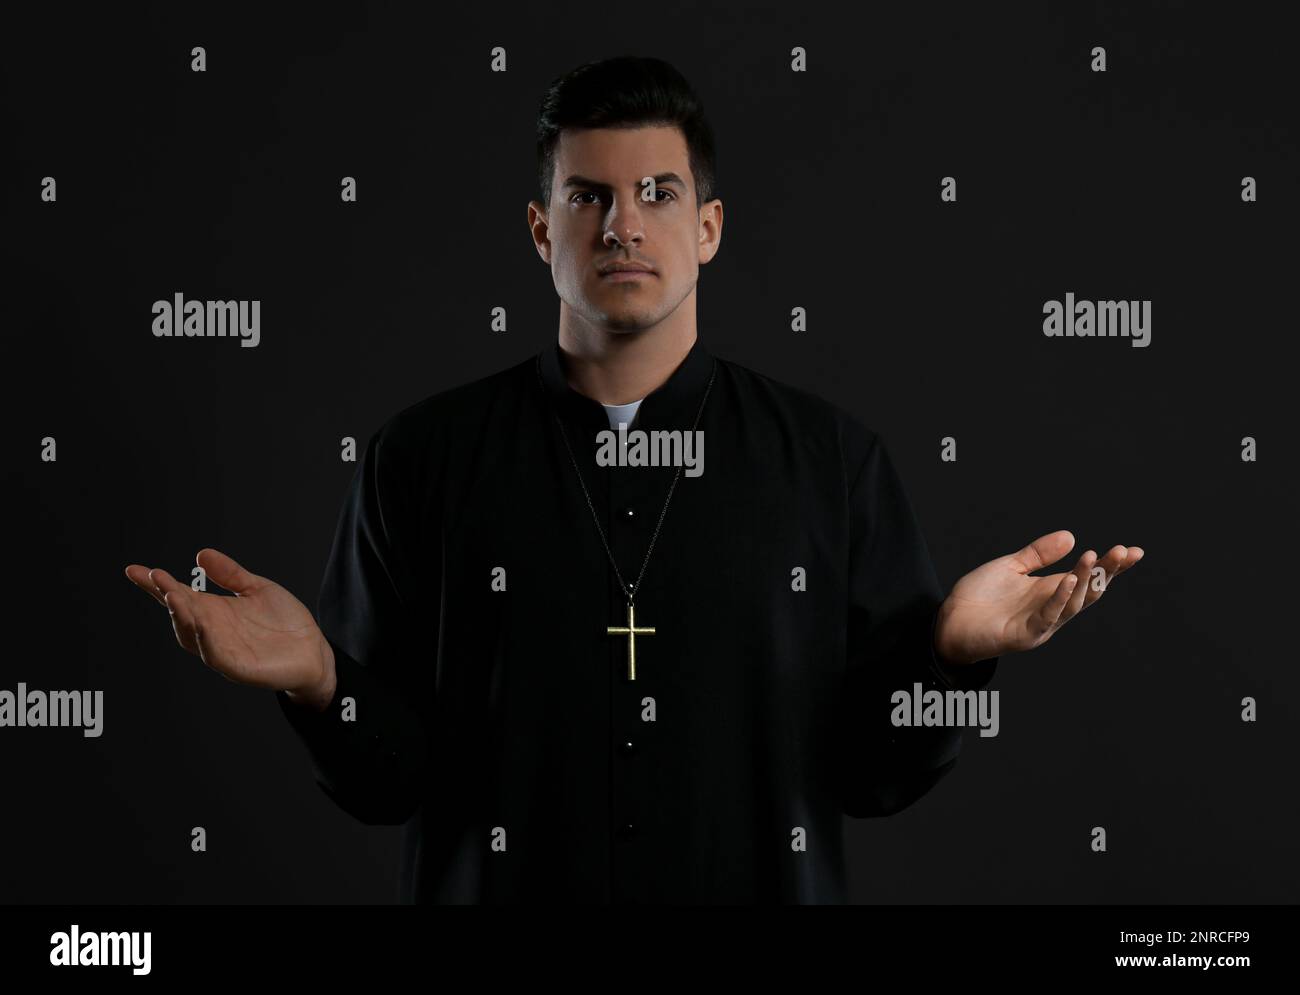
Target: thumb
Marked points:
226	572
1044	550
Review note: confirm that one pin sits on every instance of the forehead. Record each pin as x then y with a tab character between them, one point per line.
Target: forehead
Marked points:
621	155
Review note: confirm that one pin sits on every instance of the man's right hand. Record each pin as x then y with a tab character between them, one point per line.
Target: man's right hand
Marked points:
263	636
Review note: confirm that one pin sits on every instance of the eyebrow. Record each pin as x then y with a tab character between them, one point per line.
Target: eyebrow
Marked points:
662	179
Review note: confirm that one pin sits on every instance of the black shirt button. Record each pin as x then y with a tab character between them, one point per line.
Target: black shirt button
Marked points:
629	512
629	747
627	829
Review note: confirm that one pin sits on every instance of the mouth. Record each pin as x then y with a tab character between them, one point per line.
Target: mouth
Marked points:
623	275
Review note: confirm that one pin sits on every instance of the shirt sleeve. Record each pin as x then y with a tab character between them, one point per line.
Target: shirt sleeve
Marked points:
369	748
894	599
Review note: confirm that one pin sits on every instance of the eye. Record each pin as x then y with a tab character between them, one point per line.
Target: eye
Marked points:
589	193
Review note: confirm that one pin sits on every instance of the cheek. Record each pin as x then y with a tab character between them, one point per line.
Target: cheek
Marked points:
569	269
686	250
569	250
568	272
561	256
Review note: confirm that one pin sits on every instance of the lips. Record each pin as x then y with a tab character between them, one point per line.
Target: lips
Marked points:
625	268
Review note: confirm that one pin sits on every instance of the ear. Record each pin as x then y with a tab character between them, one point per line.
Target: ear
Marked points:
710	230
538	228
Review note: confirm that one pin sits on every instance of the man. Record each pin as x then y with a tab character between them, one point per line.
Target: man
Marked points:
585	680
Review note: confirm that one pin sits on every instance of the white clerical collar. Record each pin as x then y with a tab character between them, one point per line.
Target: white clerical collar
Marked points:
621	413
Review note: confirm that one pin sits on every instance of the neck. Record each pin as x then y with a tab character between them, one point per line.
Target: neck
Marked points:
622	367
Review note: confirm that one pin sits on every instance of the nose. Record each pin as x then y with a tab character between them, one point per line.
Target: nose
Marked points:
623	224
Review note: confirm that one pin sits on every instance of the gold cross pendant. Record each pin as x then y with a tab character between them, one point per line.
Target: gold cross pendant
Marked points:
631	631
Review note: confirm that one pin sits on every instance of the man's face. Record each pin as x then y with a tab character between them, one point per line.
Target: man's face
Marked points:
600	216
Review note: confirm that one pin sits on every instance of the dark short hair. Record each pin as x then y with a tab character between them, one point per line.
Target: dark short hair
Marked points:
625	92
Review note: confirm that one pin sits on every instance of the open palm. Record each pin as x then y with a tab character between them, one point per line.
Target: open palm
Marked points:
997	608
261	635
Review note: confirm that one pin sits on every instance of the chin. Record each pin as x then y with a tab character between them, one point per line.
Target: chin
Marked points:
626	326
621	321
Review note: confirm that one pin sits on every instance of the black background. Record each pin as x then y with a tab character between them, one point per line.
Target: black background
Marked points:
925	320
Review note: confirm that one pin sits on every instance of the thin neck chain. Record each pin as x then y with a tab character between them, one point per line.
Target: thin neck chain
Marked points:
628	590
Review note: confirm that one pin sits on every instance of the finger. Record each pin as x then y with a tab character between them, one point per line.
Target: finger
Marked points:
180	605
176	596
139	576
226	572
164	582
1135	553
1082	569
1049	615
1109	565
1044	550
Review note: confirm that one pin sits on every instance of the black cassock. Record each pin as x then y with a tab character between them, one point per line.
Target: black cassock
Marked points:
503	724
